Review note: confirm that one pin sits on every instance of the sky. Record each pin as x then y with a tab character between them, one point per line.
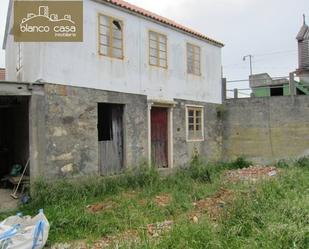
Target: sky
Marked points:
265	29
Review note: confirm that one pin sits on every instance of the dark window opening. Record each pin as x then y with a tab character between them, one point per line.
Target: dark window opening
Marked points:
14	136
276	91
105	128
117	24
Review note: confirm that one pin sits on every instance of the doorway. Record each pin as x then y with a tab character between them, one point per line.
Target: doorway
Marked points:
159	136
14	135
110	136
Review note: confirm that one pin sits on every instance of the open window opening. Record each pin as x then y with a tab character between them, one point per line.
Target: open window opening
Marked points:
14	141
276	91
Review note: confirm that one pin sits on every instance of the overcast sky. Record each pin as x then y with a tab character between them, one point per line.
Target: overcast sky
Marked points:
264	28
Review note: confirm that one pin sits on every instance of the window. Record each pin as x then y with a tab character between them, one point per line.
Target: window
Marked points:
157	49
195	123
193	59
110	37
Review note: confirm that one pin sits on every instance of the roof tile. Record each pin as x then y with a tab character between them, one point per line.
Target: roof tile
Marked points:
161	19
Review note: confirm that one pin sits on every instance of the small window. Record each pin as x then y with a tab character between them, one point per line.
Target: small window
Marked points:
193	59
157	49
110	37
195	123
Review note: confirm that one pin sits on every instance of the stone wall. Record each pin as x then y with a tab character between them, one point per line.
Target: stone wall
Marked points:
71	129
266	129
210	148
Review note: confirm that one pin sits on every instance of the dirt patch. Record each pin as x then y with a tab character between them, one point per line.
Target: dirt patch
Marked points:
142	202
6	201
251	174
163	200
99	207
159	228
213	206
127	237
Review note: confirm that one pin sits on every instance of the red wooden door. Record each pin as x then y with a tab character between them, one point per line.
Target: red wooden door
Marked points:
159	137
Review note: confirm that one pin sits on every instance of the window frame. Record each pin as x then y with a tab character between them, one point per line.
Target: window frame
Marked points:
188	44
111	36
195	108
158	34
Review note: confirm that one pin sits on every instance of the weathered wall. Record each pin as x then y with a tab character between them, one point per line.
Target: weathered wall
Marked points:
210	148
52	61
266	129
71	129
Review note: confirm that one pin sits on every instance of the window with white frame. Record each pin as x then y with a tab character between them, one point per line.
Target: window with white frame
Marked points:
195	123
193	59
157	49
110	37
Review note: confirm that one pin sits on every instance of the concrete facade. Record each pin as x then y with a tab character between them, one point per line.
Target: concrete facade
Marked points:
79	63
266	129
208	149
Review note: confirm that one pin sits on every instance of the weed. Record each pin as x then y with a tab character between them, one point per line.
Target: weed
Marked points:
239	163
303	162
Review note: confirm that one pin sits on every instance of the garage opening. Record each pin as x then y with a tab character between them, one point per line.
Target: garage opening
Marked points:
14	140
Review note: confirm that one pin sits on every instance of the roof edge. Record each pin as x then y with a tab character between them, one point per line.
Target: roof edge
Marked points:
166	22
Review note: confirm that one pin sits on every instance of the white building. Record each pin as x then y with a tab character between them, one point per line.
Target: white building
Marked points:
82	64
155	83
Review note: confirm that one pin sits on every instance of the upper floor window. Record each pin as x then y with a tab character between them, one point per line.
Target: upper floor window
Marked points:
157	49
193	59
195	123
110	37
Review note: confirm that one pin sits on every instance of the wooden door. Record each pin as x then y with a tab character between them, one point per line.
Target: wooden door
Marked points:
159	136
110	127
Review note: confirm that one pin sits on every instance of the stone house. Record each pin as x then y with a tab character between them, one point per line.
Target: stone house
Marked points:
140	87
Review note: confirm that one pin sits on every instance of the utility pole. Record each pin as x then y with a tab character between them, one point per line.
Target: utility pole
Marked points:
250	56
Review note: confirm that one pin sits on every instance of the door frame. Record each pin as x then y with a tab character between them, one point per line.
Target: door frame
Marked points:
169	105
123	164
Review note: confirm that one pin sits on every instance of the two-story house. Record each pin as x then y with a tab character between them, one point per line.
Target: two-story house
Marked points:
140	87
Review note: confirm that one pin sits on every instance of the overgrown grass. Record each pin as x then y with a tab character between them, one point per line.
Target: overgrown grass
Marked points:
273	214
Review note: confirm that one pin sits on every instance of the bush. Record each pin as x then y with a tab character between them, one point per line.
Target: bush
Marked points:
303	162
239	163
282	164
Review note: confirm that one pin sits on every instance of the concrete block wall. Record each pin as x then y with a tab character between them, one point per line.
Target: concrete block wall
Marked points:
266	129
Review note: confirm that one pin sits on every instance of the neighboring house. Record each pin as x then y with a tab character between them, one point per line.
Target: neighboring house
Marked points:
140	87
2	74
263	85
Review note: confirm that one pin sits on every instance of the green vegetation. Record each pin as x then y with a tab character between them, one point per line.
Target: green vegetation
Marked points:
271	213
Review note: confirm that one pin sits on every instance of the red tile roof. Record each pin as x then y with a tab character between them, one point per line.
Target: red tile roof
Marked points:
161	19
2	74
